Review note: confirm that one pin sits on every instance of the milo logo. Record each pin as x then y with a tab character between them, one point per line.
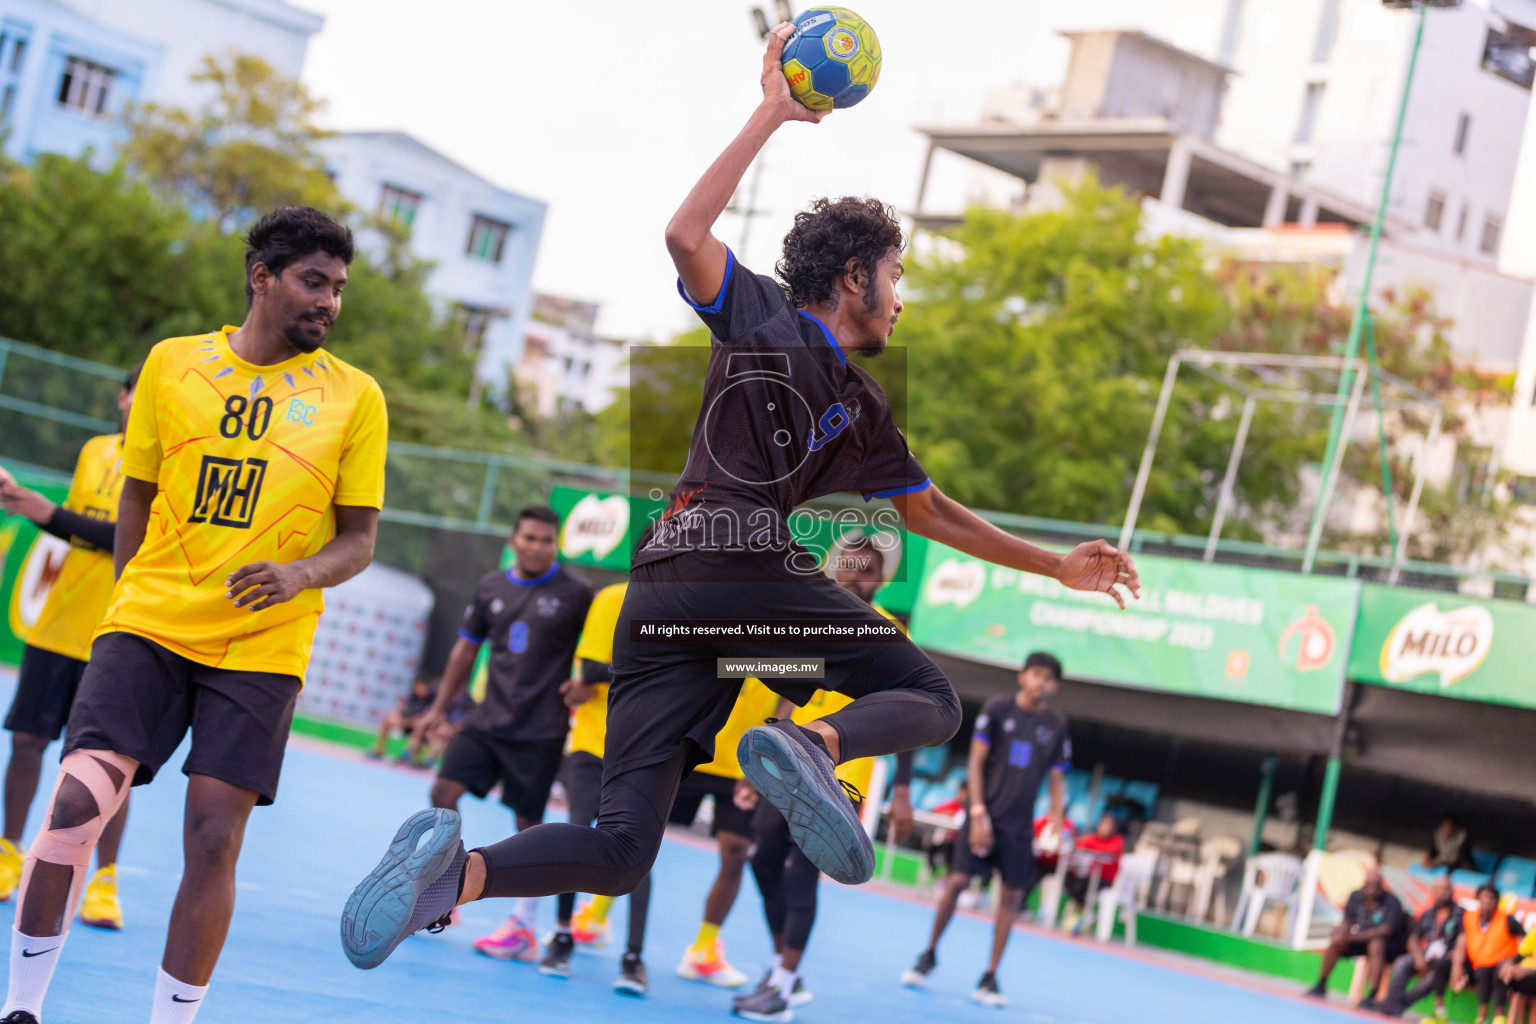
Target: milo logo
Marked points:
955	582
1451	644
595	525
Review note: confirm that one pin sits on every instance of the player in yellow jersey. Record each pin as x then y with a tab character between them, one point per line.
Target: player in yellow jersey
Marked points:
582	775
254	466
58	645
785	876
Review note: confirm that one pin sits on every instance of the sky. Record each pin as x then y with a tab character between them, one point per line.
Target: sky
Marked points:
609	110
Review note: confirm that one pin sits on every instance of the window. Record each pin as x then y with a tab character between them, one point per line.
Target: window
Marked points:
86	87
1327	29
7	97
1309	104
472	322
1299	168
1461	221
1434	211
1524	490
17	52
1463	126
1507	53
398	205
487	239
1493	226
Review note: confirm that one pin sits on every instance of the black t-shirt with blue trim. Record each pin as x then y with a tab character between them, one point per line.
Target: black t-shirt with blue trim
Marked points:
1023	746
785	419
532	627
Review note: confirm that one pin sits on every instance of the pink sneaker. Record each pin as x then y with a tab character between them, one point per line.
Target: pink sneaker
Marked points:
512	941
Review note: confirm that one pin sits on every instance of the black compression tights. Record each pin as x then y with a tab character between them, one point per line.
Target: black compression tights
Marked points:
787	880
612	857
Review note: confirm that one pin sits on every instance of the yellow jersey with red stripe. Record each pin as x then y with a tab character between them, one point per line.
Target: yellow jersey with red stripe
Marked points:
78	599
589	722
250	462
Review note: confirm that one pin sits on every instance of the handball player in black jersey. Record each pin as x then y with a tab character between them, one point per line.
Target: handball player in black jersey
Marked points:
787	417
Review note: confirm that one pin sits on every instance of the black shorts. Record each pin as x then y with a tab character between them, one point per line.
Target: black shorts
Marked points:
139	699
1012	856
667	692
728	817
526	769
1525	986
45	689
581	773
1396	947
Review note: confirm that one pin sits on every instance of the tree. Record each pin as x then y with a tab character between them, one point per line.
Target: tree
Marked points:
250	148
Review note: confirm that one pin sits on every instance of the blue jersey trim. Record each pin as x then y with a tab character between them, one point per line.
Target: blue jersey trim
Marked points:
719	303
466	636
1061	767
982	737
909	489
518	581
826	334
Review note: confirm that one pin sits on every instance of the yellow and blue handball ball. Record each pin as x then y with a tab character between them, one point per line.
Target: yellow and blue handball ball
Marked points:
833	58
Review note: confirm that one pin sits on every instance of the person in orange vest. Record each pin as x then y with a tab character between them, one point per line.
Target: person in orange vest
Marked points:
1489	936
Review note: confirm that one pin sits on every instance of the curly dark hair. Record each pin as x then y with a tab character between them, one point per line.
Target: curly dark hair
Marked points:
828	235
290	233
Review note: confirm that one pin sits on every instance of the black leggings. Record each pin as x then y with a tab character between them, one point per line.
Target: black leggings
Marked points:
666	703
786	878
582	774
1490	989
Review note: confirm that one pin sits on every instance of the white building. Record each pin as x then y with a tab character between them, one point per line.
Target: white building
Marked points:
564	364
69	68
482	238
1262	117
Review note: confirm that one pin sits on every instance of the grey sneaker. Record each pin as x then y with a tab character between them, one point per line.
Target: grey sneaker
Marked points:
797	777
766	1004
557	955
632	981
987	993
416	885
917	975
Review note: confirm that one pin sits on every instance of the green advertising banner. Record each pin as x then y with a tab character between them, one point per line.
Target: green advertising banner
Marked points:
1446	644
29	563
600	528
1219	631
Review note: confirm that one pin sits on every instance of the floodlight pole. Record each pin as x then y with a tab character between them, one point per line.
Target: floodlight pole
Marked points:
1230	480
1337	425
1413	498
1331	475
1145	469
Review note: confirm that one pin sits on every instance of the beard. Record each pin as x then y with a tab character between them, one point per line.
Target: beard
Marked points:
873	344
300	339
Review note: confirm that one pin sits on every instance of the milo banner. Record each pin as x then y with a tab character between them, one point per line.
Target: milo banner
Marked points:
1220	631
29	563
600	529
1446	644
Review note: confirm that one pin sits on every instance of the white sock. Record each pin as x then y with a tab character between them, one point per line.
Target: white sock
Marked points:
778	960
176	1002
782	979
32	962
526	909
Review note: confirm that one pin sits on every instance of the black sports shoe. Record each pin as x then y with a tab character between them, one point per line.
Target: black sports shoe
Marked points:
987	993
795	775
767	1004
917	976
1318	991
633	981
557	955
18	1017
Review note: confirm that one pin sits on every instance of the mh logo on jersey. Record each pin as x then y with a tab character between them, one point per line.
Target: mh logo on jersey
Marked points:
227	491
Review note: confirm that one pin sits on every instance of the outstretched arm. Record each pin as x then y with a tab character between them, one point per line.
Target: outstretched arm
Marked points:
1095	565
700	256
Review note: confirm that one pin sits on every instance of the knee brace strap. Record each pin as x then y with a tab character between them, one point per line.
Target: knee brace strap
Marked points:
73	845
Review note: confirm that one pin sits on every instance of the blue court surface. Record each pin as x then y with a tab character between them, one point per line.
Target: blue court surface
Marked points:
335	811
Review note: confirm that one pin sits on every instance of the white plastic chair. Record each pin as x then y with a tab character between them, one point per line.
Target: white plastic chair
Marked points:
1135	871
1270	879
1049	908
1217	856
